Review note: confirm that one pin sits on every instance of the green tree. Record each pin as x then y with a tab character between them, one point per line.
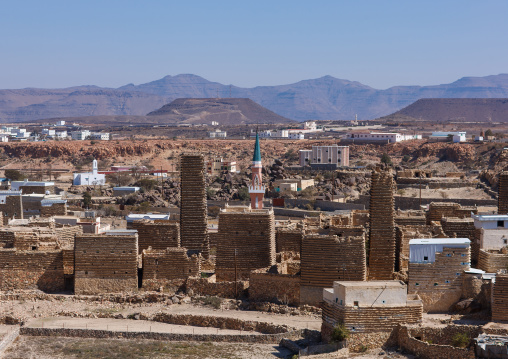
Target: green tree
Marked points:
489	133
243	194
385	158
87	199
14	175
147	184
340	333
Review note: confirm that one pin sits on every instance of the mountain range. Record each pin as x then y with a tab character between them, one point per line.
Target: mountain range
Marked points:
325	98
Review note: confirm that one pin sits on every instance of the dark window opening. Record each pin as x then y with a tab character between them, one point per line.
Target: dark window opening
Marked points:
500	223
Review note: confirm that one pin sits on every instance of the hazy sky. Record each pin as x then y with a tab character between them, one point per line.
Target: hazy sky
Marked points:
250	43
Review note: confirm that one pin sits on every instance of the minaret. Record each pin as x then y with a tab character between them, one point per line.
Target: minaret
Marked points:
256	189
95	167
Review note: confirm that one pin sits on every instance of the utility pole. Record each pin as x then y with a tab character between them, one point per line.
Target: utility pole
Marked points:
236	278
420	185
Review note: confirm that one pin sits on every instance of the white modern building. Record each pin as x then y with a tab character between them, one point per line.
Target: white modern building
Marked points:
101	136
154	217
296	136
48	132
90	178
424	250
61	135
387	137
455	137
493	230
60	123
218	134
390	293
325	156
80	135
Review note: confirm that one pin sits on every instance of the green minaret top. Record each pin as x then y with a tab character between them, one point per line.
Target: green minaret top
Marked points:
257	151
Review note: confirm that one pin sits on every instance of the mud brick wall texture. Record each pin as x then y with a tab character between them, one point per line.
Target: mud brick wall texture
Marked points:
328	258
382	226
37	189
500	298
105	264
12	208
66	235
193	207
31	270
502	197
459	227
439	210
368	319
252	235
289	240
56	209
169	264
493	261
208	286
271	287
157	234
439	284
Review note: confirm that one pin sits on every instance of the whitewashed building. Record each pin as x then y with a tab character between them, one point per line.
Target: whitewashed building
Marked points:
493	230
90	178
331	156
387	137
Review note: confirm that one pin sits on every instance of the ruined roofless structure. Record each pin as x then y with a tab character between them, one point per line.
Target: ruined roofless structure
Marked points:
382	226
193	211
502	197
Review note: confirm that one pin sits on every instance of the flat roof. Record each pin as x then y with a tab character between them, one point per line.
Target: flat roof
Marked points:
371	283
439	241
490	217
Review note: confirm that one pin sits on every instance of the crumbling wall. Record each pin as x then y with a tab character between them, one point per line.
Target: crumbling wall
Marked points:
160	266
289	240
209	286
252	235
31	270
328	258
55	209
193	207
439	284
502	197
382	226
492	261
157	234
265	286
37	189
12	208
66	235
439	210
459	227
105	264
500	298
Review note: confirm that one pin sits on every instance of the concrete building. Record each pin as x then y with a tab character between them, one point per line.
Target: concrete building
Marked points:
368	306
48	132
61	135
93	178
60	123
448	136
33	187
492	230
256	188
100	136
218	134
386	137
325	157
297	184
436	267
80	135
218	166
147	216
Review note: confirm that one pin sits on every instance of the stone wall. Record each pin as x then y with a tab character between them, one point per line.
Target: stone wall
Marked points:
368	319
193	207
209	286
105	264
12	208
168	264
252	234
37	189
502	198
500	298
492	261
288	240
274	287
439	210
382	226
56	209
439	284
459	227
157	234
31	270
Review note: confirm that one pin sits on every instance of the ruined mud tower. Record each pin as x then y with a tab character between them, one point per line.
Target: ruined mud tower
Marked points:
382	226
193	210
502	195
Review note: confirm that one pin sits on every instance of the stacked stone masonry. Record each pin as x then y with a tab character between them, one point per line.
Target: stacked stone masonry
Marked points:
382	226
502	197
439	284
289	240
459	227
105	263
439	210
251	234
274	287
193	206
492	261
500	298
31	270
157	234
12	208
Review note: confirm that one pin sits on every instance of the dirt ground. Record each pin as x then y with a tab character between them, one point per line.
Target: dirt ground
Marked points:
466	192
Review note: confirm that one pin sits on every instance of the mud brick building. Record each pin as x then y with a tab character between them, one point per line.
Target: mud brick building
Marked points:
500	298
251	232
502	197
159	266
289	240
274	284
11	205
492	260
156	234
373	306
105	263
410	218
41	270
459	227
439	210
193	207
328	258
436	269
382	226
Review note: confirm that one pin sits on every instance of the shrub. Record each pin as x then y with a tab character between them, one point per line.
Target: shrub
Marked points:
385	158
460	340
340	333
212	301
14	175
406	158
243	194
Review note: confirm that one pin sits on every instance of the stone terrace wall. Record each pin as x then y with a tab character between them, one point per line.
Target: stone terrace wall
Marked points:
491	261
502	198
105	264
252	235
500	299
193	207
439	210
208	286
168	264
288	240
382	226
273	287
439	284
368	319
157	234
31	270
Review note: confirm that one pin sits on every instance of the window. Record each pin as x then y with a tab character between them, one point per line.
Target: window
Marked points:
462	255
341	302
457	273
500	223
383	301
417	284
449	255
355	303
447	281
425	258
505	241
